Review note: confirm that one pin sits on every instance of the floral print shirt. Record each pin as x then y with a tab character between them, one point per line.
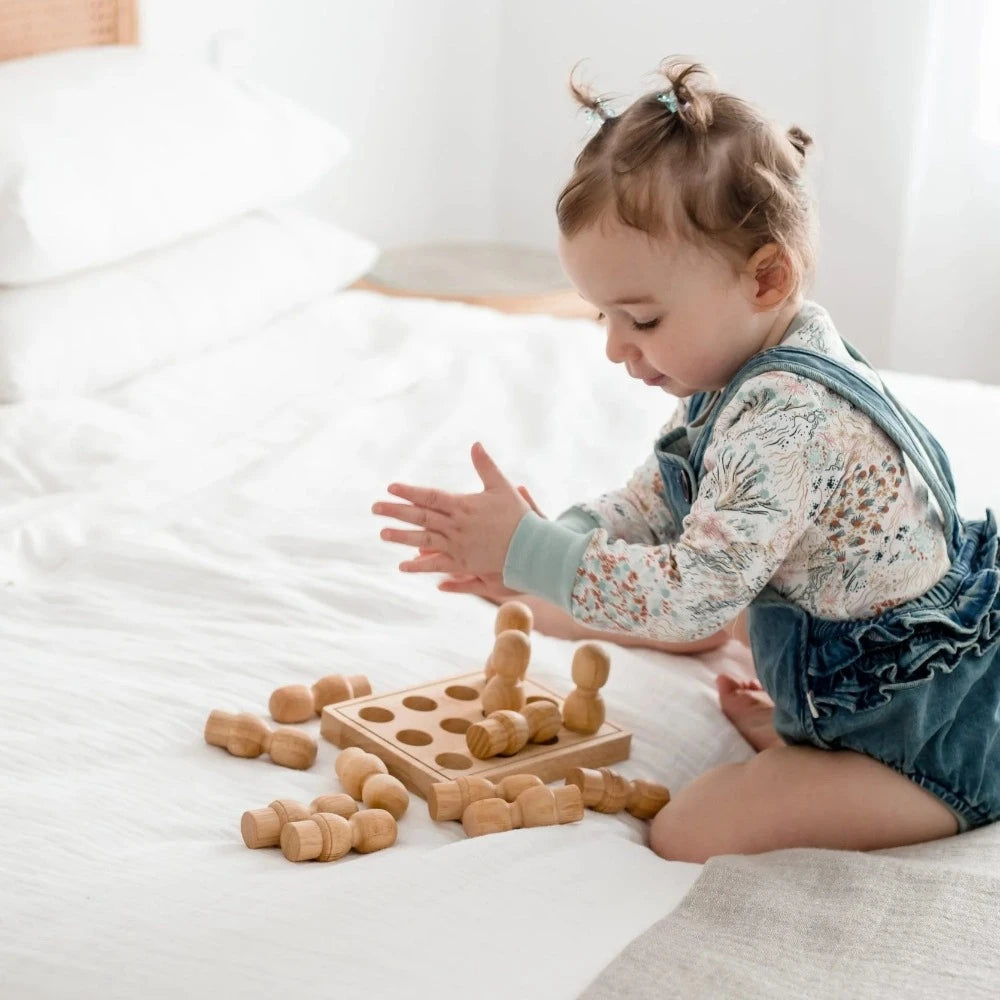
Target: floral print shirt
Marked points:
800	491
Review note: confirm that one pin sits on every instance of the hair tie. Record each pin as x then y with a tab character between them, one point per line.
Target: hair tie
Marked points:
600	113
669	98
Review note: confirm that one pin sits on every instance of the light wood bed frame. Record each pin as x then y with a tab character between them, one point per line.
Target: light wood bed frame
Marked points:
30	27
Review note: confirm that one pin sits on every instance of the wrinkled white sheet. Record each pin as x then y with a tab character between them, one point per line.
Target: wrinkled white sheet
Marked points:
203	534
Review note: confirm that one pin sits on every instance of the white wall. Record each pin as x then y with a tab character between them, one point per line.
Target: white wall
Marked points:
412	83
463	127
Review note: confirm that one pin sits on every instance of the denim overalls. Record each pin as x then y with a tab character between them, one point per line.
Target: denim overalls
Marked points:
916	687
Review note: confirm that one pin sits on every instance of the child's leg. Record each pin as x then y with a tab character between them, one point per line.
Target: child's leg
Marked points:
798	796
584	633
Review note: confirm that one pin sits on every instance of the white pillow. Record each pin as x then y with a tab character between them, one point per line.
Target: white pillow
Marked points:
94	329
107	151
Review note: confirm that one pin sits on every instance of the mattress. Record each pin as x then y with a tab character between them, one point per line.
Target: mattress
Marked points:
200	535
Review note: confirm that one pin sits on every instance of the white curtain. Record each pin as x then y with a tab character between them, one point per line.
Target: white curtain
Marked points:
946	310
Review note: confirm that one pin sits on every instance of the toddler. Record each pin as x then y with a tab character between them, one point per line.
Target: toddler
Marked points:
788	483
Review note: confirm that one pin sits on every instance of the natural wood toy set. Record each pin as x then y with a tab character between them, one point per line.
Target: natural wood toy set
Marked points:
478	747
437	732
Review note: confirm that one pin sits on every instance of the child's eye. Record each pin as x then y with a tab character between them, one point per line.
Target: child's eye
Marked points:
636	326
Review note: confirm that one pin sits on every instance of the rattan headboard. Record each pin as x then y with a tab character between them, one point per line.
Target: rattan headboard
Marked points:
28	27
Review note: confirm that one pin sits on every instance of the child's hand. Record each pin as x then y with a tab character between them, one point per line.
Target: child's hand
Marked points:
490	588
468	533
547	618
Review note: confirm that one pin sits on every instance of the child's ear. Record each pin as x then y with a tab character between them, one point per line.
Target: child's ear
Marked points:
769	277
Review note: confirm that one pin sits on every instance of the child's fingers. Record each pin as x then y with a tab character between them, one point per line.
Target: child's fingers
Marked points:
424	496
462	585
474	591
437	563
419	539
431	519
473	586
487	470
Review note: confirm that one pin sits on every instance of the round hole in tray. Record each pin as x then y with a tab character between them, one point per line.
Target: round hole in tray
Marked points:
419	703
540	697
455	725
453	761
372	713
461	692
414	737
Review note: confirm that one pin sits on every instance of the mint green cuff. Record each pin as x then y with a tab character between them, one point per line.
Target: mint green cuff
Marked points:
578	519
543	557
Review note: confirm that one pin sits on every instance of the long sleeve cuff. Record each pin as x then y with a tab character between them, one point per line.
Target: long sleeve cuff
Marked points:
543	557
578	519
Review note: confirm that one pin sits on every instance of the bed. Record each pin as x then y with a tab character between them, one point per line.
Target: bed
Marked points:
194	535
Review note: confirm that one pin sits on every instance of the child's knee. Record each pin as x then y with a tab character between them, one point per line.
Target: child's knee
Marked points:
672	839
694	826
663	835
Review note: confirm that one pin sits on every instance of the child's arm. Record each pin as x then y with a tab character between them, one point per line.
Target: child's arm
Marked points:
560	624
771	467
550	620
777	456
633	514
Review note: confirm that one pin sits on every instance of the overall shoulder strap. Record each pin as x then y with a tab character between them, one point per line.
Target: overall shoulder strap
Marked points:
934	451
890	415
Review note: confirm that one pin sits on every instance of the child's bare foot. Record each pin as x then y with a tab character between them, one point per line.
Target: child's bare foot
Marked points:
749	709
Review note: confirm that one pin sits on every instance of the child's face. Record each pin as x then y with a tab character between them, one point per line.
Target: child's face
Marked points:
676	318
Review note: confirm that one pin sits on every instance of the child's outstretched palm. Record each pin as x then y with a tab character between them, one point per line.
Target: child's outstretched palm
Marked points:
424	510
490	587
547	618
464	534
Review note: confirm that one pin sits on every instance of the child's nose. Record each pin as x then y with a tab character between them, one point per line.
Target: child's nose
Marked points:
619	348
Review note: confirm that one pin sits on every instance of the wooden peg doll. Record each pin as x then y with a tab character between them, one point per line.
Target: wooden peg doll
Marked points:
245	735
511	615
511	653
583	709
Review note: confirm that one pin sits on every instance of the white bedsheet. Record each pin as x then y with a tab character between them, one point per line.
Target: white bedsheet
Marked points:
201	535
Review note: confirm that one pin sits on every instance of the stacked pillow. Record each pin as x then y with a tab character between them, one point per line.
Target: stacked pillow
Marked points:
138	218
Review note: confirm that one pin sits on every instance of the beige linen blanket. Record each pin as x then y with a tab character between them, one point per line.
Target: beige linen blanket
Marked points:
920	922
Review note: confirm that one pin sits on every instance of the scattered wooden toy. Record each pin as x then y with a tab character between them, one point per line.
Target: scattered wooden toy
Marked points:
511	615
583	710
420	734
505	732
245	735
297	703
327	837
510	656
365	777
262	827
605	791
448	799
488	799
335	802
540	806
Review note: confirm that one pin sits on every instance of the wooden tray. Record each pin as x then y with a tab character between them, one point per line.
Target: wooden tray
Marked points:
419	733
